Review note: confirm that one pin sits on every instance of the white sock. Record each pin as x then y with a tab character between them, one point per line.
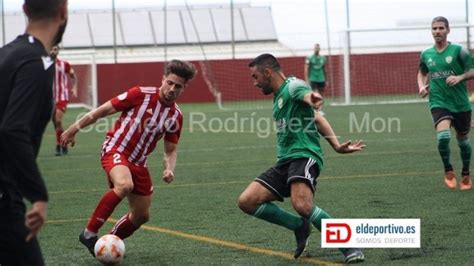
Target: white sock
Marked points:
88	234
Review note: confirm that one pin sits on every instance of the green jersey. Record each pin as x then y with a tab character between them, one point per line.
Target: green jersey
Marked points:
453	60
297	134
316	65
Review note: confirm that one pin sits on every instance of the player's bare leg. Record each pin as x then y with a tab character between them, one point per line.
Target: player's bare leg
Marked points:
253	196
121	178
302	201
58	126
256	200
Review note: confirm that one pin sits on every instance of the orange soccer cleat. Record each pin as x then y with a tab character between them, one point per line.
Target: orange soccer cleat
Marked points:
466	182
450	179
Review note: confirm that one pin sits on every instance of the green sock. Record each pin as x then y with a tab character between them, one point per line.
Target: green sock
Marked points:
315	217
443	147
276	215
465	146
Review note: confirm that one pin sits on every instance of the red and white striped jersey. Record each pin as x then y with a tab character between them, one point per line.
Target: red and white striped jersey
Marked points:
61	81
144	120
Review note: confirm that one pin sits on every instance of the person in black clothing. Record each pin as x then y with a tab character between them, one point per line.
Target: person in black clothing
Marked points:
26	104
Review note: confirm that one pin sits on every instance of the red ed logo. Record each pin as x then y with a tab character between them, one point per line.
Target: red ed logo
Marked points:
338	233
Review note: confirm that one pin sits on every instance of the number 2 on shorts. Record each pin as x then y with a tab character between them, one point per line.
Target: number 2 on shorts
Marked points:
117	158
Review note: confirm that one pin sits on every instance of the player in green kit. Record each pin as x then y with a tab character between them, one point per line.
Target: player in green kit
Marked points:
315	70
300	158
443	70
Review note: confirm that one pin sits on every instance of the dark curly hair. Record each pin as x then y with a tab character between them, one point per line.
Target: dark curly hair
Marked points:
182	69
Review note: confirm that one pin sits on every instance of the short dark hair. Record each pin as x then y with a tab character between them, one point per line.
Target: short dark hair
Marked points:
265	61
182	69
40	9
441	19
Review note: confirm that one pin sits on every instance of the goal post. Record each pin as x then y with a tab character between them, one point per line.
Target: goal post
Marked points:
380	64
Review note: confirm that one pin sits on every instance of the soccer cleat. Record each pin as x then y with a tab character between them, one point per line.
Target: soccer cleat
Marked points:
88	243
450	179
64	150
353	255
58	150
302	234
466	182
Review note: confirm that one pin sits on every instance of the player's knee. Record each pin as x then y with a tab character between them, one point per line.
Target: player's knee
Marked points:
245	204
303	208
124	187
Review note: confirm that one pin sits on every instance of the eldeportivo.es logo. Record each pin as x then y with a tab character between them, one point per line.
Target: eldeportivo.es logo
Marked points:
370	233
338	233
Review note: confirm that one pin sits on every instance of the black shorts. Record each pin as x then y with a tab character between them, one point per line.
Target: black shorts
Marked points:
460	121
278	178
318	86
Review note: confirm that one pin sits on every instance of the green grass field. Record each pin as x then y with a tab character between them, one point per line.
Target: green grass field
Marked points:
196	221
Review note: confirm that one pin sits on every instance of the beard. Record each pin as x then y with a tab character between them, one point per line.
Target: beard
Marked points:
267	90
59	35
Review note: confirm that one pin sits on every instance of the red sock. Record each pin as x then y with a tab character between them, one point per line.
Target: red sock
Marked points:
124	227
103	211
58	136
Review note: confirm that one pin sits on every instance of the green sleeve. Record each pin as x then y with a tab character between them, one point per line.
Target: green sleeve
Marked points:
298	89
422	67
466	59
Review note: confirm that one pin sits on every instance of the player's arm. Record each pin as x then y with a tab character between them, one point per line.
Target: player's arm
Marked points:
468	64
306	71
301	91
313	99
468	75
16	143
423	83
90	118
453	80
72	75
306	68
327	132
169	160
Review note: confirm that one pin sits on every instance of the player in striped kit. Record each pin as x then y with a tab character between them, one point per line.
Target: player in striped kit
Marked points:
64	72
147	115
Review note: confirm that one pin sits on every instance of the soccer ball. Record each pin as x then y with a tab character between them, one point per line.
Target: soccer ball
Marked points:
109	249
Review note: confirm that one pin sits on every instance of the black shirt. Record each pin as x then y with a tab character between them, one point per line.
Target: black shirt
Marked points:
26	104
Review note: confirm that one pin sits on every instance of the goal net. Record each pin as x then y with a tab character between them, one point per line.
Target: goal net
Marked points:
379	66
85	67
224	52
236	87
368	66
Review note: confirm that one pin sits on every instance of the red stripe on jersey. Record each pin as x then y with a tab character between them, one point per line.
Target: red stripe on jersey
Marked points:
61	81
144	121
164	126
